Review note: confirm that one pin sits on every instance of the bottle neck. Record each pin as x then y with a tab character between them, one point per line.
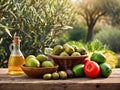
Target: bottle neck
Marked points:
16	46
16	49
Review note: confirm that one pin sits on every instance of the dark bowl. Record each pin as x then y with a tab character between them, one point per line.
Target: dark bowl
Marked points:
67	62
35	72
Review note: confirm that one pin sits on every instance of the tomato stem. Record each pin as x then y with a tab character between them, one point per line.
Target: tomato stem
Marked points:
89	67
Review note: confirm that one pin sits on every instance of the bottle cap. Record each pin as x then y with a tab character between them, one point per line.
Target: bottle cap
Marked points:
16	39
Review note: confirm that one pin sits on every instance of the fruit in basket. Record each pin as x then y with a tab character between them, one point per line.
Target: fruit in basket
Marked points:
69	49
41	57
58	49
55	75
64	54
75	48
30	56
78	70
32	62
62	74
47	64
82	51
91	69
66	45
98	57
76	54
105	70
47	76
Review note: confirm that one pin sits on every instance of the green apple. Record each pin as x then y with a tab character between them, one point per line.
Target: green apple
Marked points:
64	54
30	56
32	62
69	49
76	54
42	57
58	49
82	51
47	64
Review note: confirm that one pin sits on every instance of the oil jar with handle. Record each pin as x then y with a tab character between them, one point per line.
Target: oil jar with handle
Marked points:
16	58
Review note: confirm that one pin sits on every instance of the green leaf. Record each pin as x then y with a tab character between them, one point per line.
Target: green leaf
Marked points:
6	29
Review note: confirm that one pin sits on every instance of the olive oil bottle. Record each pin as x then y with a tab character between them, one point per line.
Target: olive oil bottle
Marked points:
16	58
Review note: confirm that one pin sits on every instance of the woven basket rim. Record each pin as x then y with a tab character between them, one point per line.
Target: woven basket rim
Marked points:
37	68
67	57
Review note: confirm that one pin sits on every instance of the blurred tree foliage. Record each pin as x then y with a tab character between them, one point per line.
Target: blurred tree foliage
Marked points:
113	11
37	22
93	10
110	37
78	33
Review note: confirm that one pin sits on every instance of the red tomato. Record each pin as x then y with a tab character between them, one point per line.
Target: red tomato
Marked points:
91	69
86	60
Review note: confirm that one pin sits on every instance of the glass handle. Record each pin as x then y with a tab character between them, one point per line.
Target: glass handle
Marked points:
11	47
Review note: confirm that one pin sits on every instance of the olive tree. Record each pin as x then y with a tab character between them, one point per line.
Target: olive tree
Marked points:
37	22
93	10
90	10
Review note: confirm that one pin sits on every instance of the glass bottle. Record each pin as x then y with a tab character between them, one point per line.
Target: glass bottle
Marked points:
16	58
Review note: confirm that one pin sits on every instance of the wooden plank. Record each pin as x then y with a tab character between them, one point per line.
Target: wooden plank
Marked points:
60	86
22	82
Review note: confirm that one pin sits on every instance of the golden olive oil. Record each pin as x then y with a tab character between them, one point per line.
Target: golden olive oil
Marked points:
14	65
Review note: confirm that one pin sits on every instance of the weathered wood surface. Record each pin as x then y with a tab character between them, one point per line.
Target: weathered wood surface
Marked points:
22	82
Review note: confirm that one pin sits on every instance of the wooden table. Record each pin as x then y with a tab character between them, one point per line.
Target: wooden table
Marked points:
22	82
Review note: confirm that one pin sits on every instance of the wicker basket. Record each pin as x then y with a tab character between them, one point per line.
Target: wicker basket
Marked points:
67	62
38	72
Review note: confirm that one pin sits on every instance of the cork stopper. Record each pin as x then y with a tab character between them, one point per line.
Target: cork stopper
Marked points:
16	39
